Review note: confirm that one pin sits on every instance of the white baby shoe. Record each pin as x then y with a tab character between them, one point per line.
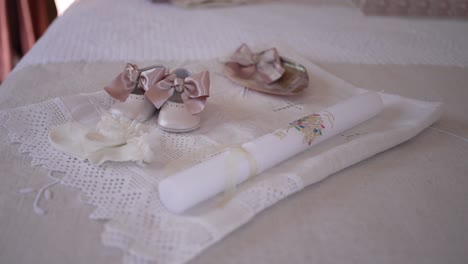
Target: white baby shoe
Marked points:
174	117
136	107
187	98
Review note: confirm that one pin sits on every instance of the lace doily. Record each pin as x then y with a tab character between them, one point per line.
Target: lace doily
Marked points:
128	198
126	195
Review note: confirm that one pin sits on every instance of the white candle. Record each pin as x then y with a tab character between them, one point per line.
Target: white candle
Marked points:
187	188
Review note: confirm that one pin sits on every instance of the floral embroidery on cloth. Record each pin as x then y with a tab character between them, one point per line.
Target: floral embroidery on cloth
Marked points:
311	126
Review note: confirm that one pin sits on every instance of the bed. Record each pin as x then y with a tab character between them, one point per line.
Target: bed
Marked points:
408	204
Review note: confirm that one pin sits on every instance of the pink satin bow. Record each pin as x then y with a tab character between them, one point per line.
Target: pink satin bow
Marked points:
194	90
121	87
267	64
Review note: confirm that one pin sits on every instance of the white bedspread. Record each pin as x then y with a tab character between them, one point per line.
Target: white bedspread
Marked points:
333	31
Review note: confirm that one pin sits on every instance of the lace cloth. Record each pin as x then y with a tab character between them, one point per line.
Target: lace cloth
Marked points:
332	31
126	195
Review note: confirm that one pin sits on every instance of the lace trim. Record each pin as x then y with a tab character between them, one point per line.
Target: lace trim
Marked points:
137	221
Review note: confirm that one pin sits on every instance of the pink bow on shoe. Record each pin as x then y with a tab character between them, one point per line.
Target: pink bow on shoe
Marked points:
194	91
121	87
267	64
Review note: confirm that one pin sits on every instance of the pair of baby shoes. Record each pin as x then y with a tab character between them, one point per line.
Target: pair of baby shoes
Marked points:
180	96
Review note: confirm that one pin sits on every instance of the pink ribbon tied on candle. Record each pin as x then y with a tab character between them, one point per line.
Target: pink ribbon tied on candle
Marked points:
267	64
194	91
121	87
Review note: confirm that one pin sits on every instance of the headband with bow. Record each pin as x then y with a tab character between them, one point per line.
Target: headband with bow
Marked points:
267	64
159	86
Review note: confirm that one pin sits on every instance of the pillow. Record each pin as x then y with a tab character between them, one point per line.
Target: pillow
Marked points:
455	8
209	3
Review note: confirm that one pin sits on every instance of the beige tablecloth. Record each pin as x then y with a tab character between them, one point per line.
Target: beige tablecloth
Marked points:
406	205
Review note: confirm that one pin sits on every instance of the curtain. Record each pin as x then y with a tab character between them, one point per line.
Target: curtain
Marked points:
22	22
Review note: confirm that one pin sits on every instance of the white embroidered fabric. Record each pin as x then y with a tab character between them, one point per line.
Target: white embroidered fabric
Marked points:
120	30
126	195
